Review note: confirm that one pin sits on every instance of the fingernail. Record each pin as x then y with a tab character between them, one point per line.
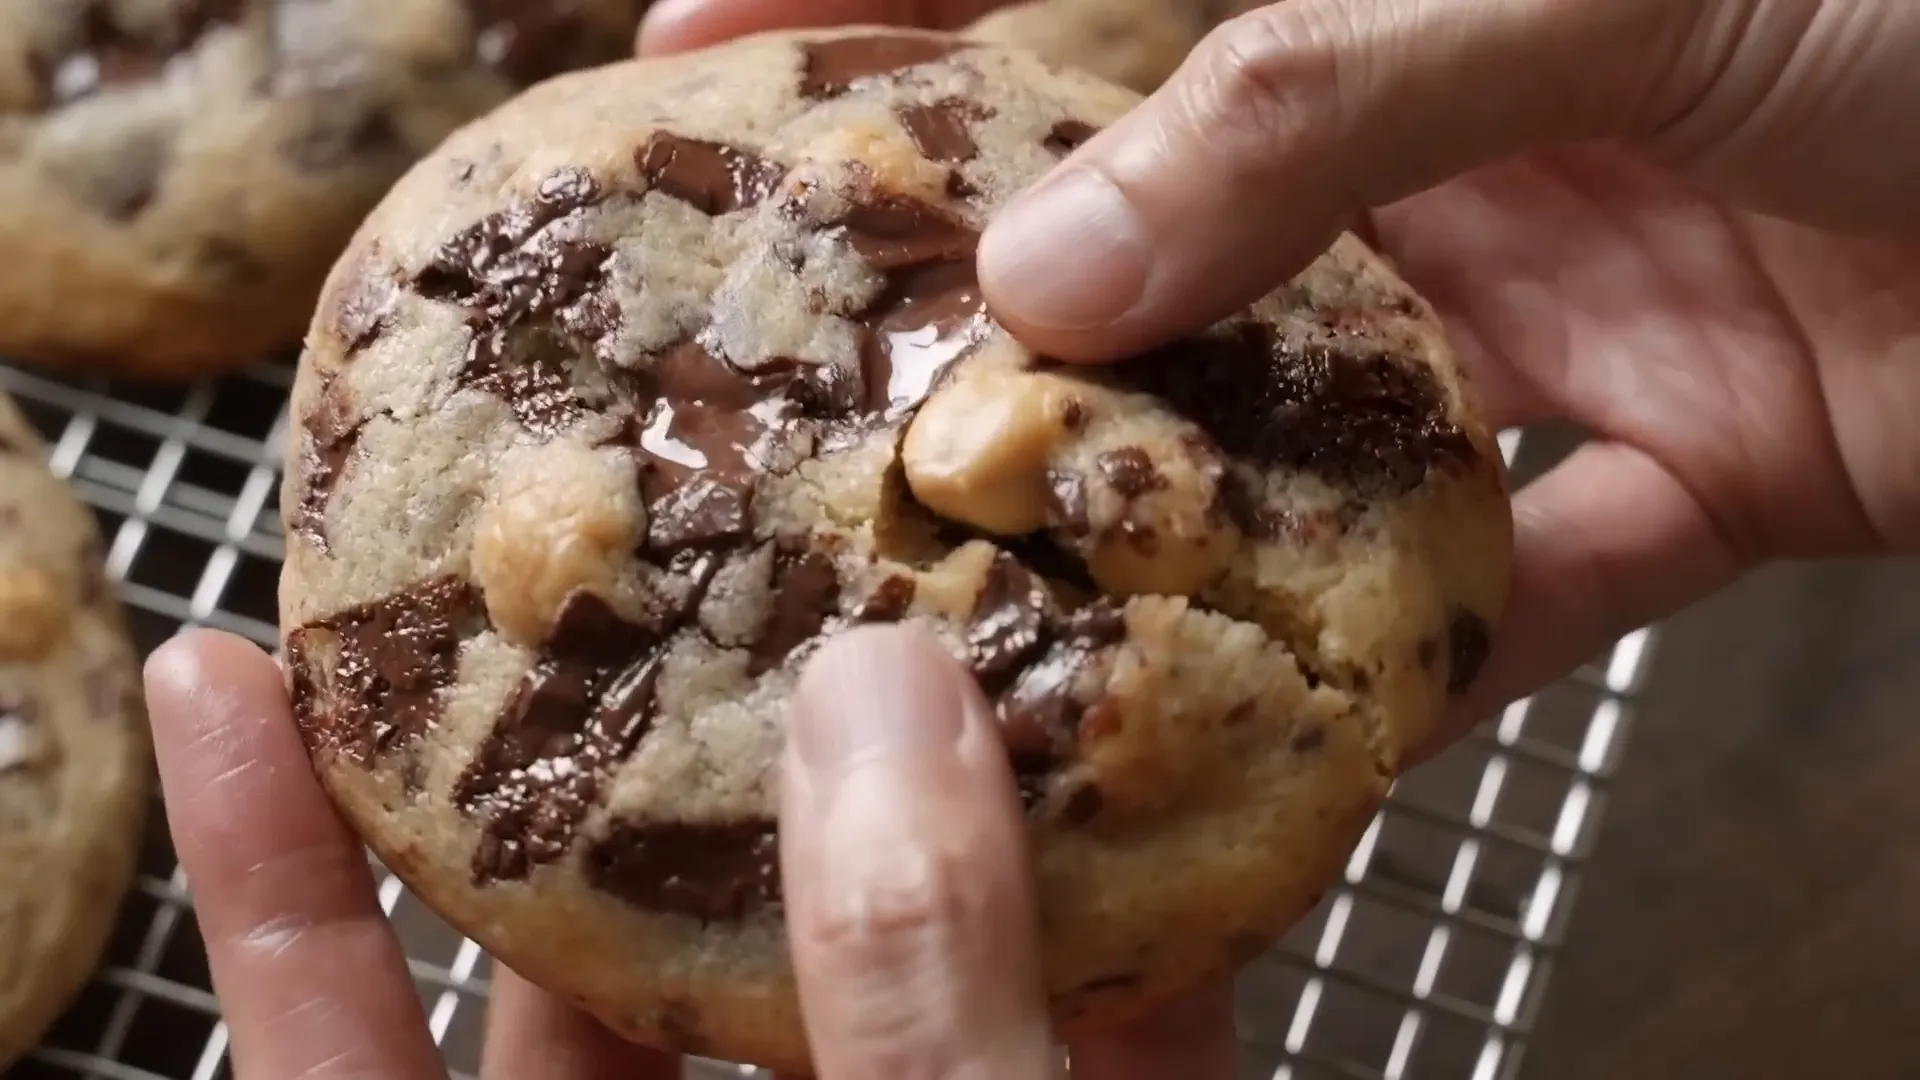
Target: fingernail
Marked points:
1071	254
876	691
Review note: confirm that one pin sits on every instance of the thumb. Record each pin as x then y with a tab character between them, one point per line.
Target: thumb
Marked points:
910	902
1287	122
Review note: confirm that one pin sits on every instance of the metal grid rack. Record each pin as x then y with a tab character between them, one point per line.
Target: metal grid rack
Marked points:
1430	963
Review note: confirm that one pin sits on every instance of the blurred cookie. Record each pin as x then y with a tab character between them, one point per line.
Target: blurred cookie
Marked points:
177	175
1136	43
641	388
73	745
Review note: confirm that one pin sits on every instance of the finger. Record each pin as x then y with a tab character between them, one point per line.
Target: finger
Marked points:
532	1035
678	25
311	980
910	898
1192	1039
1283	126
1605	543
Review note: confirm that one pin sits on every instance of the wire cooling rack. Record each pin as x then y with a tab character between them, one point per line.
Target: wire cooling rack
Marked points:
1429	964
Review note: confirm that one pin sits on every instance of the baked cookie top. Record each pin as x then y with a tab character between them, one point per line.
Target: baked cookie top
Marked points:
73	744
177	175
643	386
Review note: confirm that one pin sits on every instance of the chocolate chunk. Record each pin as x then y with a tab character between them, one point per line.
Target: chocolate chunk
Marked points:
394	657
105	51
1068	135
709	419
940	130
228	260
346	136
831	68
1041	698
16	734
1067	503
570	721
888	603
1130	471
364	304
704	513
332	432
713	178
127	183
931	311
512	274
710	872
1372	422
1308	740
1469	643
806	592
530	40
1008	624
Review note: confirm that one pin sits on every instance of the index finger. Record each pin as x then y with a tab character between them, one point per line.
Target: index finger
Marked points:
310	977
679	25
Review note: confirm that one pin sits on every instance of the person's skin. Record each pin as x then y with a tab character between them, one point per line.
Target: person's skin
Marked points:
1583	190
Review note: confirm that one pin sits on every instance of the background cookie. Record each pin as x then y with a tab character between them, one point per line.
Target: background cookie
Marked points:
73	744
635	391
177	175
1136	43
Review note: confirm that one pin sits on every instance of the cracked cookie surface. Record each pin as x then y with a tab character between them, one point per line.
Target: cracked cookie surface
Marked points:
642	387
73	744
176	176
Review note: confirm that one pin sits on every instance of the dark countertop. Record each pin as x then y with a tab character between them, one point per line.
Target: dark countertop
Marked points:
1753	906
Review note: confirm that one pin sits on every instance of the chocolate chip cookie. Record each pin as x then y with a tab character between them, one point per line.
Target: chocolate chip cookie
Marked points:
177	175
73	744
641	388
1136	43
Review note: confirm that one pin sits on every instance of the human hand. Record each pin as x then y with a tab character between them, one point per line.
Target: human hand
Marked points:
1686	226
909	894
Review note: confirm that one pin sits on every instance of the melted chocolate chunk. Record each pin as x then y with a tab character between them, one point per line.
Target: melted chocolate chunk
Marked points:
1371	422
332	433
888	603
806	592
1469	643
713	178
831	68
708	419
704	513
1039	711
530	40
931	311
1067	503
1009	623
1130	471
569	722
342	137
107	50
940	131
1069	135
710	872
509	270
395	656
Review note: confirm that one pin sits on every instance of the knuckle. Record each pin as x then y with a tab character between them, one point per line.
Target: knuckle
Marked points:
900	906
1271	75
